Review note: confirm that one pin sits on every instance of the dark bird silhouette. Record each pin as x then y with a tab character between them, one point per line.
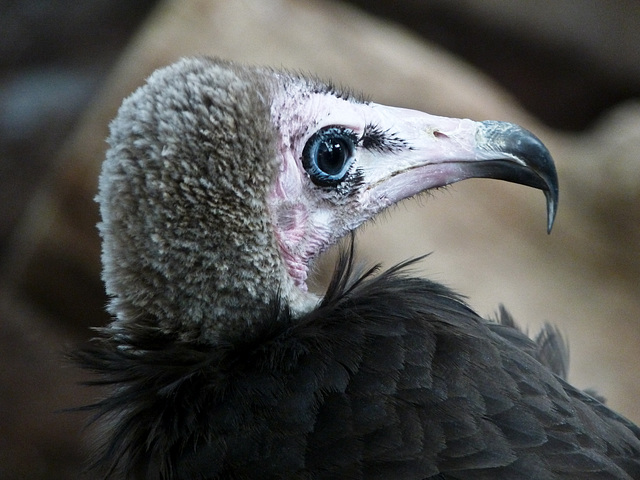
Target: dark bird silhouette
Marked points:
221	185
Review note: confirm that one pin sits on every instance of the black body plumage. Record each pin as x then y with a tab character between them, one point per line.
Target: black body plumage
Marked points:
391	377
221	186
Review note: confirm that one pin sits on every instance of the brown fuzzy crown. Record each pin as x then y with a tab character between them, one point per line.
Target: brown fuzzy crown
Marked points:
187	242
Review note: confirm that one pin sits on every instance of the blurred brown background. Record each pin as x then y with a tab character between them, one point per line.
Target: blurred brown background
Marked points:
567	70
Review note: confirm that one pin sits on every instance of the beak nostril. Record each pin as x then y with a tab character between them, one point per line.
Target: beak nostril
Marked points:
439	134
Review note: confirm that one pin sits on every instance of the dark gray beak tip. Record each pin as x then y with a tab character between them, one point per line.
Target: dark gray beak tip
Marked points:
528	148
552	204
523	159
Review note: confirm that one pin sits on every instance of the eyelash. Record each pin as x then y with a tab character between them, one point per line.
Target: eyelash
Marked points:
374	138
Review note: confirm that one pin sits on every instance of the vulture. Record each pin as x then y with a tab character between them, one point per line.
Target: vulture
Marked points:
221	186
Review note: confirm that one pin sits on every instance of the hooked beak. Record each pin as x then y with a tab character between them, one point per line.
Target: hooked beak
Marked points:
439	151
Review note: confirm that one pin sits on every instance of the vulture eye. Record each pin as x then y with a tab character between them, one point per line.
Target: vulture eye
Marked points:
328	155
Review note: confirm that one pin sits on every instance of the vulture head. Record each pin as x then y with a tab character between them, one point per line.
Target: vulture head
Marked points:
223	183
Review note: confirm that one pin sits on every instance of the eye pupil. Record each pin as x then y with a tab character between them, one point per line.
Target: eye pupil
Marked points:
328	155
331	156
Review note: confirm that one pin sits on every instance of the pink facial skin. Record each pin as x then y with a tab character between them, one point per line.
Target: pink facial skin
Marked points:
431	152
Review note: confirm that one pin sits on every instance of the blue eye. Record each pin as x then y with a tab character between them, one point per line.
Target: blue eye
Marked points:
328	155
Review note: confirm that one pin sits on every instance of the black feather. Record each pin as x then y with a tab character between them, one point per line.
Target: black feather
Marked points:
391	377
